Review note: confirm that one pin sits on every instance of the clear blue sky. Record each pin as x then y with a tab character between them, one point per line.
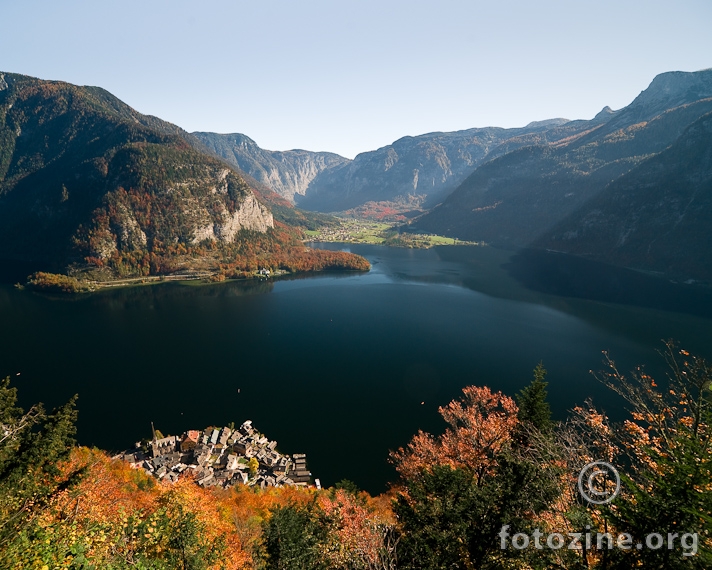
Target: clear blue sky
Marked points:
353	76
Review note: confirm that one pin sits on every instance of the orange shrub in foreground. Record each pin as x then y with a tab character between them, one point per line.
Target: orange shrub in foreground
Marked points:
118	515
121	517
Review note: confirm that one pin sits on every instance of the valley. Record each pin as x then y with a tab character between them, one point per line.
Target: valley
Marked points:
556	184
93	190
357	230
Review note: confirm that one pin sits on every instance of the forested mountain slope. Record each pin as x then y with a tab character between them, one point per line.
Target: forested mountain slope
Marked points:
517	198
86	183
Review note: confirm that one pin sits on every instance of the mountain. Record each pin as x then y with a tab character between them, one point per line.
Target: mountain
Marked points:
411	172
420	170
516	198
669	90
286	172
90	185
656	217
83	173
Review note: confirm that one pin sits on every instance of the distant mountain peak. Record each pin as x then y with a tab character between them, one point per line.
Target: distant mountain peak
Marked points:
604	114
675	88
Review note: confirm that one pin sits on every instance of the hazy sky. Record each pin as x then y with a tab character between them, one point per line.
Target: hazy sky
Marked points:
353	76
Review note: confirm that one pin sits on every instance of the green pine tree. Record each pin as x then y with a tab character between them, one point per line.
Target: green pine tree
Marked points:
534	409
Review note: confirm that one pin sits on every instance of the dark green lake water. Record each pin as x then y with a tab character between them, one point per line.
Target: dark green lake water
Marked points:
341	367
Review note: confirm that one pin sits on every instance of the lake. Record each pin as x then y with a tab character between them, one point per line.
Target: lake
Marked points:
342	367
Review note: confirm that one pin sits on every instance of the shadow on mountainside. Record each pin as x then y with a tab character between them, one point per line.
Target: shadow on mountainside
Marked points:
566	275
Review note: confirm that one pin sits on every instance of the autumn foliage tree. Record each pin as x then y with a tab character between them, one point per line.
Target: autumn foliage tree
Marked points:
498	462
32	445
120	518
338	529
667	444
359	533
461	488
480	426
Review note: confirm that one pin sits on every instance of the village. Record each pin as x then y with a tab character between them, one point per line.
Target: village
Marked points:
220	457
351	230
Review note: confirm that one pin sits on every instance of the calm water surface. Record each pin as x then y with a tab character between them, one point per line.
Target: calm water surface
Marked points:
341	367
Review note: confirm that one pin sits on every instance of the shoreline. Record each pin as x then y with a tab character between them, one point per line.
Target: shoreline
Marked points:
194	279
181	278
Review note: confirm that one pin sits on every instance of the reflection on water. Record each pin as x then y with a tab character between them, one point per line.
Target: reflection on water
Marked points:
560	274
343	367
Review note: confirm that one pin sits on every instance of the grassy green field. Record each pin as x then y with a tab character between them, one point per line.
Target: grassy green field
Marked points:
363	231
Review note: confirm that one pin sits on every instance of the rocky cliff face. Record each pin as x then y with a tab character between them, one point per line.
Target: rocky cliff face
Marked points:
426	167
85	177
249	215
288	173
211	203
412	170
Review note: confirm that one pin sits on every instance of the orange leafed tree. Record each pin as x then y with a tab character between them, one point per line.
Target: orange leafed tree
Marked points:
480	424
120	515
360	533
